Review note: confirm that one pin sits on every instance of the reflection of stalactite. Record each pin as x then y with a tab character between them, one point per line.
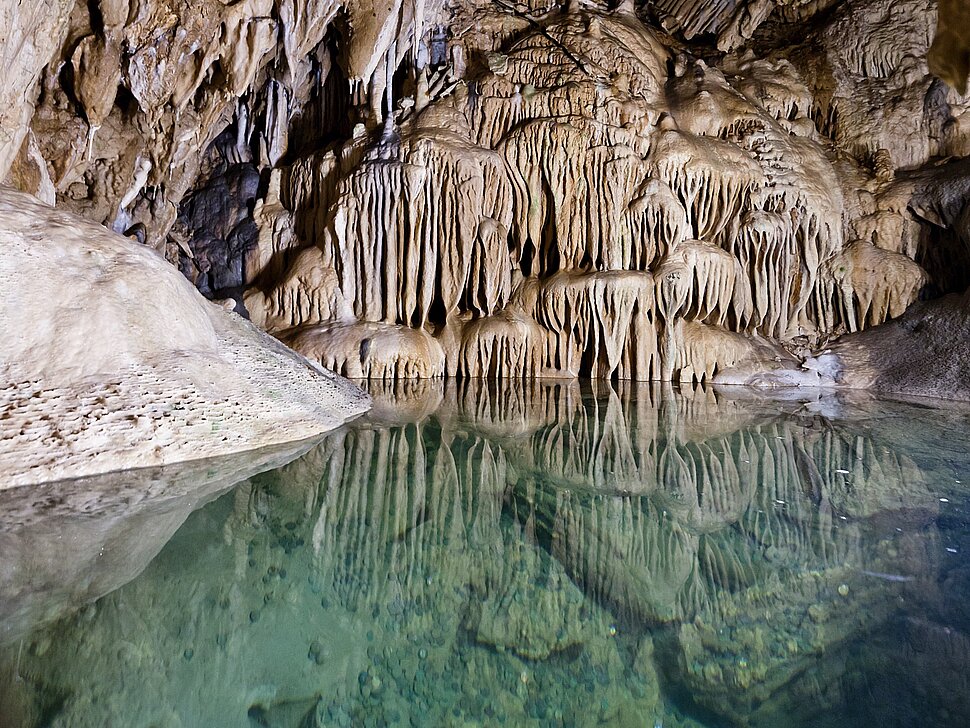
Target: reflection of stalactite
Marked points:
397	500
752	538
367	467
690	511
593	445
640	572
658	504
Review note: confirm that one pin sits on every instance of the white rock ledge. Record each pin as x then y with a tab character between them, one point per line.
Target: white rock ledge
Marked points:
110	359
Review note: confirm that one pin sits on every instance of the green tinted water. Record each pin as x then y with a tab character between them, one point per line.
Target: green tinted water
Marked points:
518	555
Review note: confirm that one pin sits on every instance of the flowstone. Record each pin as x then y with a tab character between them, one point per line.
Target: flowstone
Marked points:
109	359
607	205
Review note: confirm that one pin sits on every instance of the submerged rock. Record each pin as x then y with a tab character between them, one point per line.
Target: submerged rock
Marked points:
529	606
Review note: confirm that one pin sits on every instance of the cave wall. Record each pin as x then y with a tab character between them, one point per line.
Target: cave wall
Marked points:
662	190
111	106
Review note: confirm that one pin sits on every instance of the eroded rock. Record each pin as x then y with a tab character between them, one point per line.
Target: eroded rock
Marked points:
110	359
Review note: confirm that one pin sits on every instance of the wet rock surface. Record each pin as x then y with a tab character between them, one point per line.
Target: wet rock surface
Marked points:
109	359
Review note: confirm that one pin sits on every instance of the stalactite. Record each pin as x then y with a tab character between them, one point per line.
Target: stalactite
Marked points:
716	287
489	283
638	194
692	167
546	162
407	221
508	344
655	222
865	286
307	294
602	323
768	256
309	189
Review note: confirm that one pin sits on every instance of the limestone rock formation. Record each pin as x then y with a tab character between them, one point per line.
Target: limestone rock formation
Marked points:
950	54
628	210
922	353
109	359
677	190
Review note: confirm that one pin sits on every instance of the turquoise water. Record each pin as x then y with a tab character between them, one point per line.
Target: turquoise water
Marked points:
539	554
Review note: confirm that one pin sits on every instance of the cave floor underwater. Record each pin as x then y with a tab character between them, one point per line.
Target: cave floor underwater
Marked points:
518	553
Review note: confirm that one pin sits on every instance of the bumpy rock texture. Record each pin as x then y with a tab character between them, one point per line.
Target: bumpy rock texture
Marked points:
922	353
110	360
674	189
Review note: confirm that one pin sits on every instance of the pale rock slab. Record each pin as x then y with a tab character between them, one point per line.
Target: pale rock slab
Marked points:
109	359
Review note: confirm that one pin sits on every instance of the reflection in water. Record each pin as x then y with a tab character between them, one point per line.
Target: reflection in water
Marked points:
543	554
72	541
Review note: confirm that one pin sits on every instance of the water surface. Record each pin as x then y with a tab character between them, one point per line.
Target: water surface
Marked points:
529	554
